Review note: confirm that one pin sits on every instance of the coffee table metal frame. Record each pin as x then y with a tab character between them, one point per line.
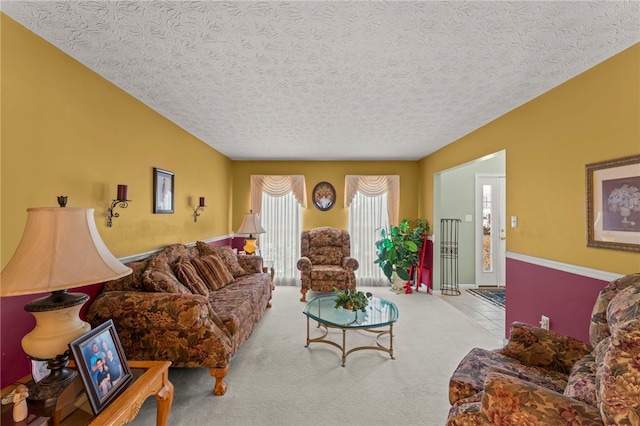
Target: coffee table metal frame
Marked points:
378	313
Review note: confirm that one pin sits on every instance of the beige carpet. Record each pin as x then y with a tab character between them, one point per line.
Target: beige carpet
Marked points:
275	380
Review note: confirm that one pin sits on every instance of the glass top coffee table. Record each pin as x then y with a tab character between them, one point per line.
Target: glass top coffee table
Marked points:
378	313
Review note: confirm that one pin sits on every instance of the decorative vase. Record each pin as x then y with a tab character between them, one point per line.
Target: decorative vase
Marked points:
625	213
398	283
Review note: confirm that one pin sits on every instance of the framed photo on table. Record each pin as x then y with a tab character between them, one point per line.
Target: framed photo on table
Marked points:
163	191
613	204
102	365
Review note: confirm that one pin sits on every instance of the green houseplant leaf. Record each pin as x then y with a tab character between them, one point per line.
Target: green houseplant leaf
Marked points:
350	299
397	249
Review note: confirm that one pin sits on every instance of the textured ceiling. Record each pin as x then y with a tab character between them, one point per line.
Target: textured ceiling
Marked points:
333	80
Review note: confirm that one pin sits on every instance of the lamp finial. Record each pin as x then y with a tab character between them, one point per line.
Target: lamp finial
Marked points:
62	200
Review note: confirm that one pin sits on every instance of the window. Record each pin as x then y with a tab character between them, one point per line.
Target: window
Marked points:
373	203
280	246
367	217
279	201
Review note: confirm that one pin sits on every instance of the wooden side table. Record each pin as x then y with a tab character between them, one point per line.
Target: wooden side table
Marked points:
154	380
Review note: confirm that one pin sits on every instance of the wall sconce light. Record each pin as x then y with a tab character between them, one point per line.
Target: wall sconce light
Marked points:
200	208
121	201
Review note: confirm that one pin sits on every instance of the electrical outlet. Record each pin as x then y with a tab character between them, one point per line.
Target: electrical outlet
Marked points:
544	322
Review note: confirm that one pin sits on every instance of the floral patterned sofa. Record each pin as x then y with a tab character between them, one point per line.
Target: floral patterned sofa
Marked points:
326	260
543	378
194	306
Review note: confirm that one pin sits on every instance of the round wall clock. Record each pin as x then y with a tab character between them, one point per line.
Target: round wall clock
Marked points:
324	196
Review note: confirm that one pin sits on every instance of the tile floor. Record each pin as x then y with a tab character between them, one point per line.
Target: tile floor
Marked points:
481	311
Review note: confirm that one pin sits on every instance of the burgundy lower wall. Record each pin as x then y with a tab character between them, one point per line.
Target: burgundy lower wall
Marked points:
15	323
532	291
566	298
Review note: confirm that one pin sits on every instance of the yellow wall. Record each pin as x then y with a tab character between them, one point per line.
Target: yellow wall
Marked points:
67	131
333	172
590	118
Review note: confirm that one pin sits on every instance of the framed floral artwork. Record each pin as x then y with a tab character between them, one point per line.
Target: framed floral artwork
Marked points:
163	191
613	204
324	196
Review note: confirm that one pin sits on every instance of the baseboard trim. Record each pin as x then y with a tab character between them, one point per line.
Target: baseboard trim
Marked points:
565	267
146	254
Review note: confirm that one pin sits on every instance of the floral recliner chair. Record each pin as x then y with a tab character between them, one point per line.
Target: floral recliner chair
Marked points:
326	261
543	378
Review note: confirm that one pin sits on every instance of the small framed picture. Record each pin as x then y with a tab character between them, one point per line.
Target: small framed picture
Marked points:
102	365
163	191
324	196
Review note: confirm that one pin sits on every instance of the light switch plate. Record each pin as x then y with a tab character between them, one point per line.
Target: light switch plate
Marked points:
468	218
514	221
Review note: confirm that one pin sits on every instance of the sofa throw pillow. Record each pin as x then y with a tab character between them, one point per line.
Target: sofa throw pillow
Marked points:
231	260
213	271
158	277
204	248
188	276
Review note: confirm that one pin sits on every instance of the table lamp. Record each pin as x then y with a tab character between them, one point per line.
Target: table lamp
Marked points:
60	248
251	225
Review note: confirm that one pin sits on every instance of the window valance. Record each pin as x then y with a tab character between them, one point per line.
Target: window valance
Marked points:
277	186
373	186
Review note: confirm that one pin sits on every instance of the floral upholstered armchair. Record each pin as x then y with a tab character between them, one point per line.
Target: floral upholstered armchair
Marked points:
543	378
326	261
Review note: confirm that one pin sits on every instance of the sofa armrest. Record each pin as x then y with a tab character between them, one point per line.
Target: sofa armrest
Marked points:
544	348
509	400
350	263
304	263
250	263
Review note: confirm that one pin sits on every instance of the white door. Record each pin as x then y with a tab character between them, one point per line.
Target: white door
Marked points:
490	230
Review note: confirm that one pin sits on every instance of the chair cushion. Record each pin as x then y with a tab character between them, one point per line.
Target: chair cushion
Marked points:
212	270
469	377
623	307
325	255
158	277
539	347
582	380
599	329
328	273
188	276
619	376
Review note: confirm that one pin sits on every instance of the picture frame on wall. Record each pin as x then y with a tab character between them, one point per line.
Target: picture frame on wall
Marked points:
613	204
102	365
324	196
163	191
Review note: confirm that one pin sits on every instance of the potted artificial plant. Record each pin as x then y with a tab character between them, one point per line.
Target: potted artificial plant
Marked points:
397	250
351	299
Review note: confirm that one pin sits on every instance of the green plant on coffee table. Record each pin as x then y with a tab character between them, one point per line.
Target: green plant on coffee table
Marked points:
397	250
350	299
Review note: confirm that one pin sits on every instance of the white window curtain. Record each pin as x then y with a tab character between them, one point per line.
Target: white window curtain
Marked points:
373	202
367	217
279	201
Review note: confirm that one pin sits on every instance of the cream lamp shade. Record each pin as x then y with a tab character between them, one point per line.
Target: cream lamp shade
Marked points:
60	248
251	225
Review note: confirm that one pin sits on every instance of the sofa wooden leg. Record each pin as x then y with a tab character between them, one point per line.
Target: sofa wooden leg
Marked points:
304	294
221	387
